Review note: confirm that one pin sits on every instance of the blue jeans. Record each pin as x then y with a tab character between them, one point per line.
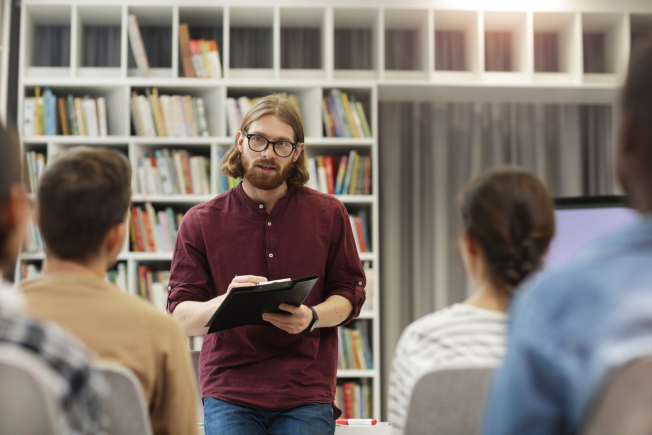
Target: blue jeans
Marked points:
223	418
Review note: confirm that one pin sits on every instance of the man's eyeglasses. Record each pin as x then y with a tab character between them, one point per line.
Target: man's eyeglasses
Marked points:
258	143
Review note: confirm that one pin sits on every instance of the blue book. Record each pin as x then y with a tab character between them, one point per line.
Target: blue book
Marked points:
334	117
349	172
365	345
224	181
50	112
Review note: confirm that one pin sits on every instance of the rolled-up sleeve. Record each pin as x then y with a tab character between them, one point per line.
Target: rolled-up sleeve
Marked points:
190	275
344	273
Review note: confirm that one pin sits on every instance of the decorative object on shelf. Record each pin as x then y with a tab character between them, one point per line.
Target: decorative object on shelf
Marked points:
168	115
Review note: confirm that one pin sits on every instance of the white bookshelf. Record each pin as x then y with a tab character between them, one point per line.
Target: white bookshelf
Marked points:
421	80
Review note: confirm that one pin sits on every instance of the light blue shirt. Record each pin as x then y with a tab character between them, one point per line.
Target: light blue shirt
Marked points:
569	328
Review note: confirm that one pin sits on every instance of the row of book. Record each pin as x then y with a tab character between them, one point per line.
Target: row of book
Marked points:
355	399
360	233
168	115
153	285
199	57
118	276
354	351
33	240
72	116
343	116
170	172
237	108
352	177
35	167
153	231
29	271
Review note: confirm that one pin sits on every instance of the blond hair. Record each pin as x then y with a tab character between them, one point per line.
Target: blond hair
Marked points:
284	110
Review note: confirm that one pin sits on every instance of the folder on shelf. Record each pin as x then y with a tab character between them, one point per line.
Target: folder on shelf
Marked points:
246	305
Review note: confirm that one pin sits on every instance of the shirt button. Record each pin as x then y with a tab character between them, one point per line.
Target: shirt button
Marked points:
271	255
169	287
260	206
269	224
359	282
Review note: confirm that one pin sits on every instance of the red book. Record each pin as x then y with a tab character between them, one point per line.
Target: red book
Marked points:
149	232
358	228
329	163
138	230
347	392
367	175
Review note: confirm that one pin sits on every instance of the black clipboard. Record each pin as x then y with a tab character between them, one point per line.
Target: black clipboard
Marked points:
246	305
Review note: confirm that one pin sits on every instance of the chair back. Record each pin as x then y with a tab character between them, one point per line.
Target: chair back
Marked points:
125	406
449	401
624	403
27	403
194	356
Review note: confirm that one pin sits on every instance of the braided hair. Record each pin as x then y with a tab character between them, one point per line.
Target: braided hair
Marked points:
508	211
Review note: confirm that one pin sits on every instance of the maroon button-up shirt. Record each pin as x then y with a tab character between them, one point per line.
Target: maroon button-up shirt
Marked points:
307	233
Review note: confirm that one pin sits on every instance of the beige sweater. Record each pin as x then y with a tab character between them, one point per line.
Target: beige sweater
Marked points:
126	330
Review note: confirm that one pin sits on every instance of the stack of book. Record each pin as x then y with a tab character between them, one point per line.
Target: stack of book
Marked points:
35	167
168	115
368	305
343	116
29	271
351	177
153	231
360	234
236	109
72	116
153	285
199	57
354	399
173	172
118	276
354	350
33	241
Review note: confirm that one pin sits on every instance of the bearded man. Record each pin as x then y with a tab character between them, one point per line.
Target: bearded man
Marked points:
279	378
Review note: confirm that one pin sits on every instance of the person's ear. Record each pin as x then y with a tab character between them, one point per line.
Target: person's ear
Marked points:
115	237
17	207
297	152
469	245
240	140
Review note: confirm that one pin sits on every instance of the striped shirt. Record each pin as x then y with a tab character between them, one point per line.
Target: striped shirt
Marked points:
459	334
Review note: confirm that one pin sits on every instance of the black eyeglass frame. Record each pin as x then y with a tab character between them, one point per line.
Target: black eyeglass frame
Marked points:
269	142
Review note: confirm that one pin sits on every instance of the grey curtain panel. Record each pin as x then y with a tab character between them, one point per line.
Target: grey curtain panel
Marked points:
428	152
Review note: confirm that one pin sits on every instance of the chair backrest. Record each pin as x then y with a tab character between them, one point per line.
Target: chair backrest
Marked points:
27	403
449	401
125	406
194	355
624	403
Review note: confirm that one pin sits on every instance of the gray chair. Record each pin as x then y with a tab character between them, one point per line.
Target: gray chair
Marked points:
194	355
449	401
27	403
624	403
125	406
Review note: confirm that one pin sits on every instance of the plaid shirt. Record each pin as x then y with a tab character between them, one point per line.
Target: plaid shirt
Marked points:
78	387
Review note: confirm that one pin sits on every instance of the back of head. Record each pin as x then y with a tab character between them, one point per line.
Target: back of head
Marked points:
637	93
284	110
82	195
10	176
510	214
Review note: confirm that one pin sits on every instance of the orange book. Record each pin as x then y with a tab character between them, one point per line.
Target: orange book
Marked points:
329	165
132	234
186	172
354	346
358	228
138	230
149	232
62	116
367	175
347	390
184	47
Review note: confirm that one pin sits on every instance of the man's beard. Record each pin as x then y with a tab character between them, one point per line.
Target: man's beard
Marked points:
261	180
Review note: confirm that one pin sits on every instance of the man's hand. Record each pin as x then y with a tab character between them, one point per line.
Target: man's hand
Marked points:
293	323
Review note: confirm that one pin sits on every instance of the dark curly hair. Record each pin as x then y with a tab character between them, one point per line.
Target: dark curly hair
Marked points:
510	214
10	176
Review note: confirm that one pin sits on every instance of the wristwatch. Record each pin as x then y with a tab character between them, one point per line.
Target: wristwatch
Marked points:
315	319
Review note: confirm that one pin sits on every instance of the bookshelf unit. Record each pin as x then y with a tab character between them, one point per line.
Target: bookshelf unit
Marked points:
257	42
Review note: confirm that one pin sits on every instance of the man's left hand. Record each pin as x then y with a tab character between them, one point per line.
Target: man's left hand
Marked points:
293	323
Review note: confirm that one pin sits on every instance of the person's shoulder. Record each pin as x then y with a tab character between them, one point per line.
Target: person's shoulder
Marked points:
433	323
308	197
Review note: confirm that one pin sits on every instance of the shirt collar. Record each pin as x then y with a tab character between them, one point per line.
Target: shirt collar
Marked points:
280	204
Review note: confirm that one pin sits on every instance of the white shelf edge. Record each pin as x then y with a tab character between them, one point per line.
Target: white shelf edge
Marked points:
357	373
176	199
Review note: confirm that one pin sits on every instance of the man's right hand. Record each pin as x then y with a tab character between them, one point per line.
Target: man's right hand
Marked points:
245	281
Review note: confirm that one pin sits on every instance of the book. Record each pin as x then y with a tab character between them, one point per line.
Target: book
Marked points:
313	180
90	116
159	120
354	174
341	173
214	59
363	230
101	116
137	46
29	118
184	48
349	171
329	164
363	119
197	59
321	175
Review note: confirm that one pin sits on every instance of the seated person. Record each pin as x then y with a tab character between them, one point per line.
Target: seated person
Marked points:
577	323
82	209
77	387
508	224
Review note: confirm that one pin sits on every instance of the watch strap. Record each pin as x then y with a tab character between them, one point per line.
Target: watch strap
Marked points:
315	319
